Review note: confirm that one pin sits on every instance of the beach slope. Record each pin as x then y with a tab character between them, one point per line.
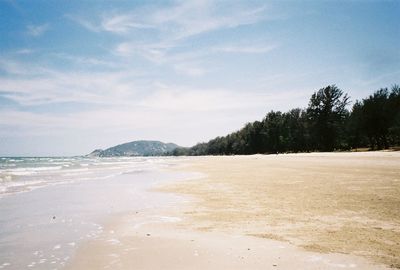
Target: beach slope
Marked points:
323	202
294	211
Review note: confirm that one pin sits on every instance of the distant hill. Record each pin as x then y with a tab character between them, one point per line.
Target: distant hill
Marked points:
136	148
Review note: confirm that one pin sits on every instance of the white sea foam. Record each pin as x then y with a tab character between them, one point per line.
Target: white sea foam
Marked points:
20	173
23	183
17	173
76	206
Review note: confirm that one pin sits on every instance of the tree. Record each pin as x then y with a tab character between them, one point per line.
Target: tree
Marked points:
394	113
355	127
376	118
255	138
325	125
327	113
295	131
272	130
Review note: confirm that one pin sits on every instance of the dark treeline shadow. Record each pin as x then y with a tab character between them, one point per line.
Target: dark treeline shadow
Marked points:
325	125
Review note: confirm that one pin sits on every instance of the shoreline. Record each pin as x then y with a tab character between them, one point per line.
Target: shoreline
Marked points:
43	228
209	215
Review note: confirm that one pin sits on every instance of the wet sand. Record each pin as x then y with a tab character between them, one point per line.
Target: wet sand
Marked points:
300	211
41	229
153	241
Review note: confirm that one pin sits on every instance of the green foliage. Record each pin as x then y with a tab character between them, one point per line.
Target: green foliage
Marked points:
394	112
354	127
380	117
180	151
325	125
327	114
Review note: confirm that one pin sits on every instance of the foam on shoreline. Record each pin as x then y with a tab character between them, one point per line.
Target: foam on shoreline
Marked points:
42	228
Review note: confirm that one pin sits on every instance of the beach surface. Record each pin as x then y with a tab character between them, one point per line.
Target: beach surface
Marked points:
294	211
49	207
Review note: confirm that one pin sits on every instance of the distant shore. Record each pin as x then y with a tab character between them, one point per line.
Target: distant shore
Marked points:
308	211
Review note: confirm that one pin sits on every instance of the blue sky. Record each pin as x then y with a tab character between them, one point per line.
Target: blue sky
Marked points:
80	75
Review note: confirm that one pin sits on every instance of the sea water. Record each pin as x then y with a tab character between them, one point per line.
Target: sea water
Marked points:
19	174
48	206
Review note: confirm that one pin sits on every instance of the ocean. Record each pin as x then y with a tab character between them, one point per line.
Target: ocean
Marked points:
49	205
19	174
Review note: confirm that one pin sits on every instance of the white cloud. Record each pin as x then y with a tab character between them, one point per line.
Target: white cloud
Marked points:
249	49
36	85
191	63
13	67
123	101
24	51
187	99
189	18
167	108
124	49
186	63
190	69
175	113
113	23
91	26
177	22
157	52
88	61
37	30
124	108
171	27
121	24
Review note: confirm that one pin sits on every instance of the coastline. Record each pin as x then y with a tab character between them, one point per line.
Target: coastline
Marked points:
44	227
227	222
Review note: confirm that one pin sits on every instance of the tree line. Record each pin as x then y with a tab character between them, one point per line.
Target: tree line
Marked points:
325	125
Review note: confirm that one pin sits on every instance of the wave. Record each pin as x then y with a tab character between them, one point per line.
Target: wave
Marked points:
24	174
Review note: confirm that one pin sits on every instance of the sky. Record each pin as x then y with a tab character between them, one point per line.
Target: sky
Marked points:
80	75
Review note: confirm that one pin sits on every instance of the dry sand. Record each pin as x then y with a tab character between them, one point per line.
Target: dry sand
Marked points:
325	202
300	211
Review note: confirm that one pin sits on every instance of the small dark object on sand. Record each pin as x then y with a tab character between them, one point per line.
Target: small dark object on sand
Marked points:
54	217
148	234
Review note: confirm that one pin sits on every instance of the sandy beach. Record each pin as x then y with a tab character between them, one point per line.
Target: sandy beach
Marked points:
160	242
42	228
303	211
200	134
